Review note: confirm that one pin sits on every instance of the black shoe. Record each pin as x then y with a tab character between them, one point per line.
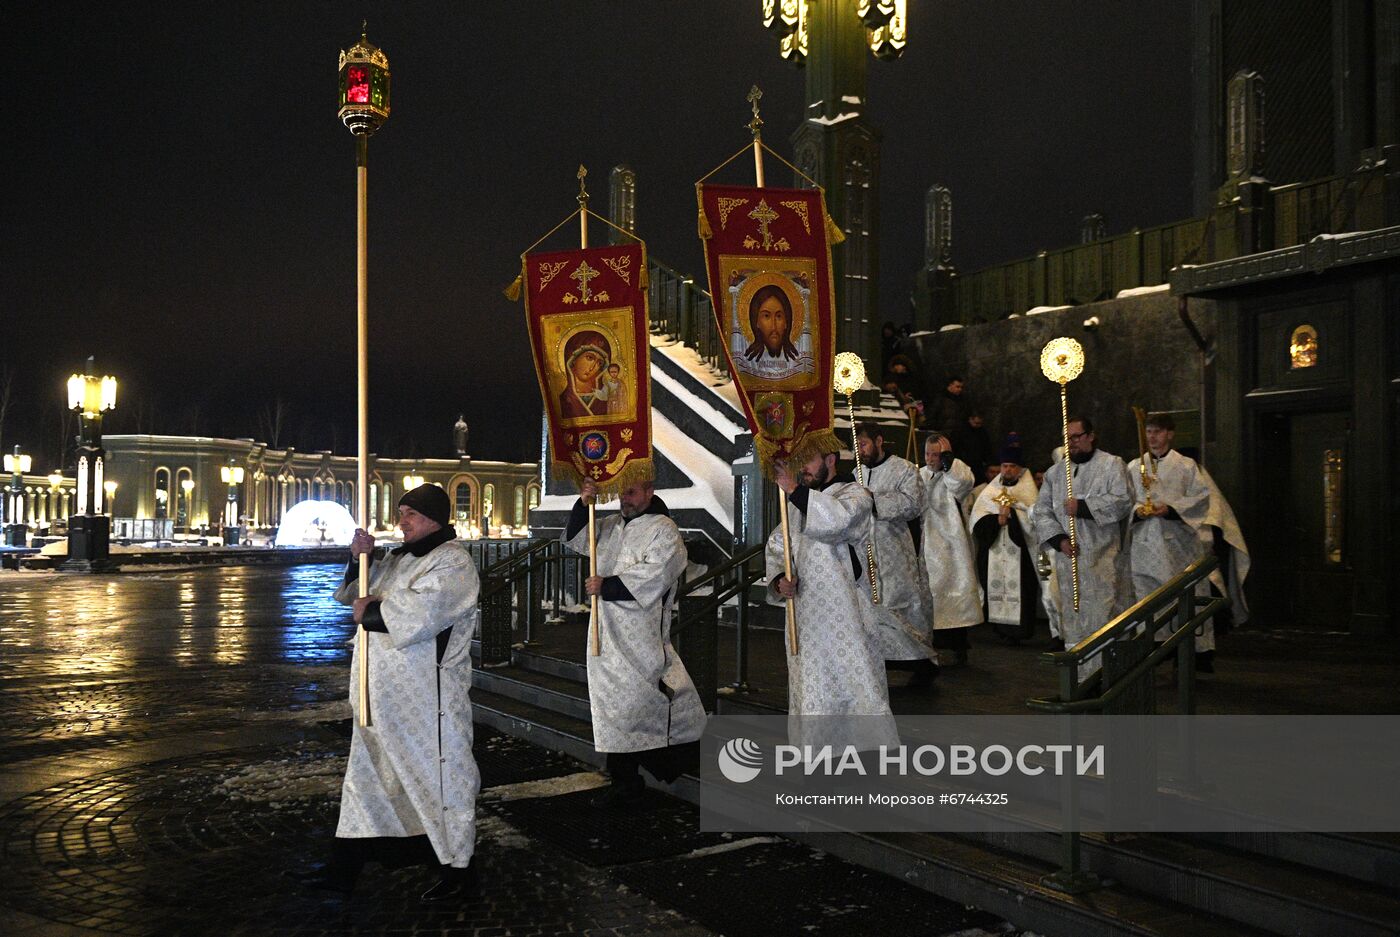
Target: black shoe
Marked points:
453	884
925	671
1205	662
325	878
617	796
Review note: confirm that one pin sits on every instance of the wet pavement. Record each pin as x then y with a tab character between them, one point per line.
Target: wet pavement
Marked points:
173	743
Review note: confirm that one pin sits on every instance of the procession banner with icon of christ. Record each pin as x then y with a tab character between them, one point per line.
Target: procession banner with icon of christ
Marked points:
768	255
587	315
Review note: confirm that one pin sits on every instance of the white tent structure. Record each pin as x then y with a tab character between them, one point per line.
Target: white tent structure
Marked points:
315	524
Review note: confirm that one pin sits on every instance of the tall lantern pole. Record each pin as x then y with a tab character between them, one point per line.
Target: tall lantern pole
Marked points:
364	107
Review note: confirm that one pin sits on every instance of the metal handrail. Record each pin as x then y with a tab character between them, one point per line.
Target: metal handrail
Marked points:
1177	595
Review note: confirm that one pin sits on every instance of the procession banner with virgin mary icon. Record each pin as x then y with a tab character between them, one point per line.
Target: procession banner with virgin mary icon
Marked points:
587	315
768	255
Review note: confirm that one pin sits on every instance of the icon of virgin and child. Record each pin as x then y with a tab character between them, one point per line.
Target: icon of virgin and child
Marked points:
776	306
593	380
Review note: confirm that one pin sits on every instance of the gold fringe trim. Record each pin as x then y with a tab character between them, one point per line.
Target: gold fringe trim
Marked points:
704	223
644	281
834	234
635	472
516	286
817	442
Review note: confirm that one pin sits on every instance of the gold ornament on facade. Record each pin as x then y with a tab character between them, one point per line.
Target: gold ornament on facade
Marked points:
1302	347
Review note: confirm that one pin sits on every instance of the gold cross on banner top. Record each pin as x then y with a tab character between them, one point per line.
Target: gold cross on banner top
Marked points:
764	216
583	274
757	122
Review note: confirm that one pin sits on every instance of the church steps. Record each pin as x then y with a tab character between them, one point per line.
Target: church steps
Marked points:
543	727
1279	896
1373	858
564	696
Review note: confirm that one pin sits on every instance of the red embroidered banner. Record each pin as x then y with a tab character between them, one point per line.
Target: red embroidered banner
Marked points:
769	262
587	315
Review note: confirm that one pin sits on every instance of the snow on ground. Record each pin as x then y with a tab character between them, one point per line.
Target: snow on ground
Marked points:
548	787
287	780
723	423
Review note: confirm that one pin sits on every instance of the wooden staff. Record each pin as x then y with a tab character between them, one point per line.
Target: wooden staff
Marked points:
595	646
362	399
755	127
1069	493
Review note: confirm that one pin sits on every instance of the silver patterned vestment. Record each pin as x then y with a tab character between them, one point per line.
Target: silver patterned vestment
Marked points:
411	771
1162	547
903	618
631	712
948	557
1105	586
837	672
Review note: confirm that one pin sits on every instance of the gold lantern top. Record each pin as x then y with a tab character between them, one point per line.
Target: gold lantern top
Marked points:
364	87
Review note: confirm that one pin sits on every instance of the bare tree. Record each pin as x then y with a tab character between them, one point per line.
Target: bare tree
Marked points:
270	422
7	386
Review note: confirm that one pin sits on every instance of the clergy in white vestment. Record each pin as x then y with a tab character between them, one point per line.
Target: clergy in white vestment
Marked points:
1102	502
645	708
411	772
837	693
1001	532
903	617
1181	527
947	548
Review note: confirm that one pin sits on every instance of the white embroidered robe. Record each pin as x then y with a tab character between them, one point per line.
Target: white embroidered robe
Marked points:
411	771
631	712
1004	587
903	619
948	557
837	671
1105	586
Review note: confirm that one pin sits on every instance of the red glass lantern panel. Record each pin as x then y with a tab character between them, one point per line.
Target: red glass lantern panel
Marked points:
357	84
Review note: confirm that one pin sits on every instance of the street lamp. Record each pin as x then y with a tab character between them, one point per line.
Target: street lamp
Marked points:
16	528
364	106
187	486
231	475
411	482
111	488
55	498
89	530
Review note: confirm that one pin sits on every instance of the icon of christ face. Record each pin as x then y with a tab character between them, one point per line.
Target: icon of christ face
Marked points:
770	317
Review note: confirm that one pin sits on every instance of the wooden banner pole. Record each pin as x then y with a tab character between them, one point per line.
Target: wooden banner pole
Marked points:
362	400
595	646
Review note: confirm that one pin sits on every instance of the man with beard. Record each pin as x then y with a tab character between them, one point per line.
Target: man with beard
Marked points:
1005	546
646	711
837	694
1101	503
1188	514
411	775
947	548
903	617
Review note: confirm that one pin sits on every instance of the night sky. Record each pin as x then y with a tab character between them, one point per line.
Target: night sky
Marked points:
179	195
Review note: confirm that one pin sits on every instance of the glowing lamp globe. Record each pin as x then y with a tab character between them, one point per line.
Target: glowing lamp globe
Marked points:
91	395
364	87
231	474
55	479
18	463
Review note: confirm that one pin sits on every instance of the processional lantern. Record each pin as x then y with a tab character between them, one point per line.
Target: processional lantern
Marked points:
847	378
1061	361
886	26
364	87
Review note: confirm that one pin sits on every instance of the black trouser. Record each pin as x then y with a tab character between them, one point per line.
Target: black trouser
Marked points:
664	764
